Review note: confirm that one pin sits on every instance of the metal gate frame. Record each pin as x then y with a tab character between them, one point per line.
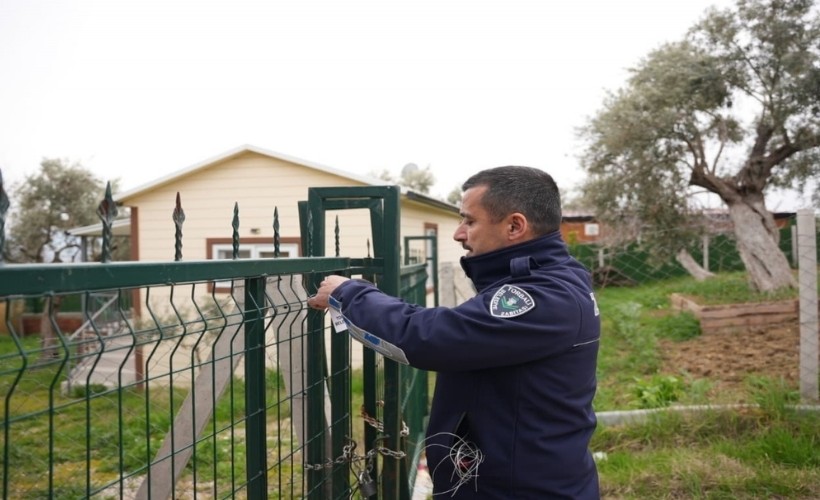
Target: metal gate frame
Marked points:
385	218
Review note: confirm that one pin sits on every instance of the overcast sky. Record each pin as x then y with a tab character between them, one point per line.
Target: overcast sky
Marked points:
135	90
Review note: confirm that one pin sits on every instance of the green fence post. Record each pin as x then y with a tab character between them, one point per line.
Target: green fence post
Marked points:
313	231
394	471
340	394
385	218
255	436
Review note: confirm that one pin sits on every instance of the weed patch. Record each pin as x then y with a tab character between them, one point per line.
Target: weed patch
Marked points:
651	357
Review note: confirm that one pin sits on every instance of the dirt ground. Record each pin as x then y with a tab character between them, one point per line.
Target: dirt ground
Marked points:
727	359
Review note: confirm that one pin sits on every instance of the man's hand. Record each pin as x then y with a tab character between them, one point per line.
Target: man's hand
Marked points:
326	287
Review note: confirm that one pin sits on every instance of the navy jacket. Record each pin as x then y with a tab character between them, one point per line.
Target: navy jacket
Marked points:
516	370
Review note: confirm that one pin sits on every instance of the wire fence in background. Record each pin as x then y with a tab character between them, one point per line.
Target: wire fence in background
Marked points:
634	262
734	306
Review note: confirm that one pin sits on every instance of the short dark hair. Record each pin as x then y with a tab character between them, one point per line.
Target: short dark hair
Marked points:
527	190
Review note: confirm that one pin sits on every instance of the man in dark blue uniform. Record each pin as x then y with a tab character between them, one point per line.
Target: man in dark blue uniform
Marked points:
512	413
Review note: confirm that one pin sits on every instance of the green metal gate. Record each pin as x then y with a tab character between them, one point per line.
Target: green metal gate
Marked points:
241	393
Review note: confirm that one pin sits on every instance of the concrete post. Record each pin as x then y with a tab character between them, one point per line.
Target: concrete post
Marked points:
706	252
807	270
447	285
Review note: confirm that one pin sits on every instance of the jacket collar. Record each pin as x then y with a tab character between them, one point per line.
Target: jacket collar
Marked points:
488	268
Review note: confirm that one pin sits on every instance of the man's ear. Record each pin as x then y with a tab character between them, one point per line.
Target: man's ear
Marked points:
518	228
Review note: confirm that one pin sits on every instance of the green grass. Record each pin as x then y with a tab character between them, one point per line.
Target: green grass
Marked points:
770	451
728	288
126	429
634	319
765	452
735	454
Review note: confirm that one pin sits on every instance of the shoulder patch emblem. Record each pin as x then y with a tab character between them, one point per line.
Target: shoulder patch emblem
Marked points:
510	301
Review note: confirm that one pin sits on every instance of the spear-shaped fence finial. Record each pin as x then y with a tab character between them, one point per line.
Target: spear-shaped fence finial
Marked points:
179	218
235	235
336	234
277	240
107	211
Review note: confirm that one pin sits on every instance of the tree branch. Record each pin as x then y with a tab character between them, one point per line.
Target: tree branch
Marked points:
724	188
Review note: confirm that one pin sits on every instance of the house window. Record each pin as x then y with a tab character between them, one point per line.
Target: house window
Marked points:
253	248
590	229
253	251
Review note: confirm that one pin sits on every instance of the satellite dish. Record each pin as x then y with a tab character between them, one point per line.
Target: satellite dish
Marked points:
408	169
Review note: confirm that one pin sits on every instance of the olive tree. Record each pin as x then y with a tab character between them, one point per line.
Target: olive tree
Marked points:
61	195
412	177
733	109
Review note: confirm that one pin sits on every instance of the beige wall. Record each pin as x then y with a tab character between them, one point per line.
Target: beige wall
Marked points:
260	184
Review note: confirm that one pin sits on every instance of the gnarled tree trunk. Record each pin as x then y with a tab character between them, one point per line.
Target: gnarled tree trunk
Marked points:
689	263
757	242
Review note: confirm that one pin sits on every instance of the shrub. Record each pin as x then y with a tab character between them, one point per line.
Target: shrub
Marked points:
658	391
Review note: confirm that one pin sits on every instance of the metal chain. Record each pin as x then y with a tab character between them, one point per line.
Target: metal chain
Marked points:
353	457
349	455
378	425
387	452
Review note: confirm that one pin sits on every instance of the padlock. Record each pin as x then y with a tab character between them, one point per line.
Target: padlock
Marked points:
367	487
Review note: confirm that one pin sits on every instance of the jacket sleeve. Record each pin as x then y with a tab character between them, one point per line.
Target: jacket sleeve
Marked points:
468	337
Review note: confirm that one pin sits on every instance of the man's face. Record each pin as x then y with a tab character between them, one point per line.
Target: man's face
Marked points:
477	232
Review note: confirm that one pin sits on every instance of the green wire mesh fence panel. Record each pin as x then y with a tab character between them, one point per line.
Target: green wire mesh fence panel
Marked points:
200	394
167	380
206	379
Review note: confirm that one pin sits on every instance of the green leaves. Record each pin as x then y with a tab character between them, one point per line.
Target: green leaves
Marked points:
730	110
60	196
658	391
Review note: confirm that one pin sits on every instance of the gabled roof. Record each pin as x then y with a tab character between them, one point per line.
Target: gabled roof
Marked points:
122	226
247	148
427	200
